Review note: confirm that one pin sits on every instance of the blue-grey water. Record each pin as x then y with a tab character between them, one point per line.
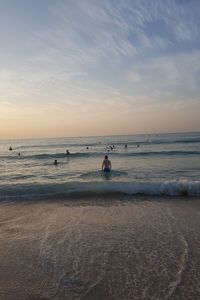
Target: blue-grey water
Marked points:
108	245
156	164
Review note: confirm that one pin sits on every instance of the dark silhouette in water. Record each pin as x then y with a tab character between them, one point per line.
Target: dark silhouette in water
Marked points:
55	162
10	149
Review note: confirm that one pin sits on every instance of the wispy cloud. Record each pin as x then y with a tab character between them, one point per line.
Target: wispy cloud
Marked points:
176	74
98	57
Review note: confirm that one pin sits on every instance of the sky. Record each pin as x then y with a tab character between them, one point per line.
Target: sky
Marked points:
90	67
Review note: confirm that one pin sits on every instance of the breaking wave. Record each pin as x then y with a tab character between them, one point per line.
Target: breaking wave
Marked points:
76	189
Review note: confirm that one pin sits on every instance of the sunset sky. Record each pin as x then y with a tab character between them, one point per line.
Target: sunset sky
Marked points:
99	67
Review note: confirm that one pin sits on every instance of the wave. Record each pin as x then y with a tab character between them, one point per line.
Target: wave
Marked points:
171	152
139	153
48	156
57	145
80	189
178	141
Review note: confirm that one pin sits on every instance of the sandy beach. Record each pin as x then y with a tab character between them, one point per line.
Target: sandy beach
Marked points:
102	248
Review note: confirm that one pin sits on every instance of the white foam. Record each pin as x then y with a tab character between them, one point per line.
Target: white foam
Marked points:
163	188
170	188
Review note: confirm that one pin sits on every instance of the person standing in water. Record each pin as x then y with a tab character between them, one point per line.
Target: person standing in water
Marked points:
106	164
55	162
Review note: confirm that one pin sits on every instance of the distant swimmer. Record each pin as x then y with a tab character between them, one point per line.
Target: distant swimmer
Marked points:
19	154
55	162
67	152
106	164
125	146
10	149
138	145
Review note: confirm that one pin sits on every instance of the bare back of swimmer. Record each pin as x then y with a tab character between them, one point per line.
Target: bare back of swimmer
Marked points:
106	164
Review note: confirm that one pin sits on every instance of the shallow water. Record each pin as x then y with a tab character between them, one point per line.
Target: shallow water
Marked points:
114	248
164	164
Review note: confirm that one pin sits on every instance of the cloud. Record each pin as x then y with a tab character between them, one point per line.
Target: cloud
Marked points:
102	57
134	77
175	74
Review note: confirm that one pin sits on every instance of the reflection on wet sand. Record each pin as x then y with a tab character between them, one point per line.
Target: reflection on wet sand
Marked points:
100	249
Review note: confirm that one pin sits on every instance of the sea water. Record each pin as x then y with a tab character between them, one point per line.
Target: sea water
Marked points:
155	164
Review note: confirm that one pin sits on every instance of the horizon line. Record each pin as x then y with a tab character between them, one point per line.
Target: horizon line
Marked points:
92	136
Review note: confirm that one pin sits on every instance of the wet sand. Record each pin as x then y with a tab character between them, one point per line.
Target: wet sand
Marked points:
101	248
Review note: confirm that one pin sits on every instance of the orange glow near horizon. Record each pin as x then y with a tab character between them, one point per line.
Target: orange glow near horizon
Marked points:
93	69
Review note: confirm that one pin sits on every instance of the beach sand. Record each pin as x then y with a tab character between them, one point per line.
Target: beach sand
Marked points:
117	247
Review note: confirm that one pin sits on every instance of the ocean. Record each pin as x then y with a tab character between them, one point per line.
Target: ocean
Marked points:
154	164
72	231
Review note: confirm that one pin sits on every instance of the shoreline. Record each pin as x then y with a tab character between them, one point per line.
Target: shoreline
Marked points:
107	197
120	247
